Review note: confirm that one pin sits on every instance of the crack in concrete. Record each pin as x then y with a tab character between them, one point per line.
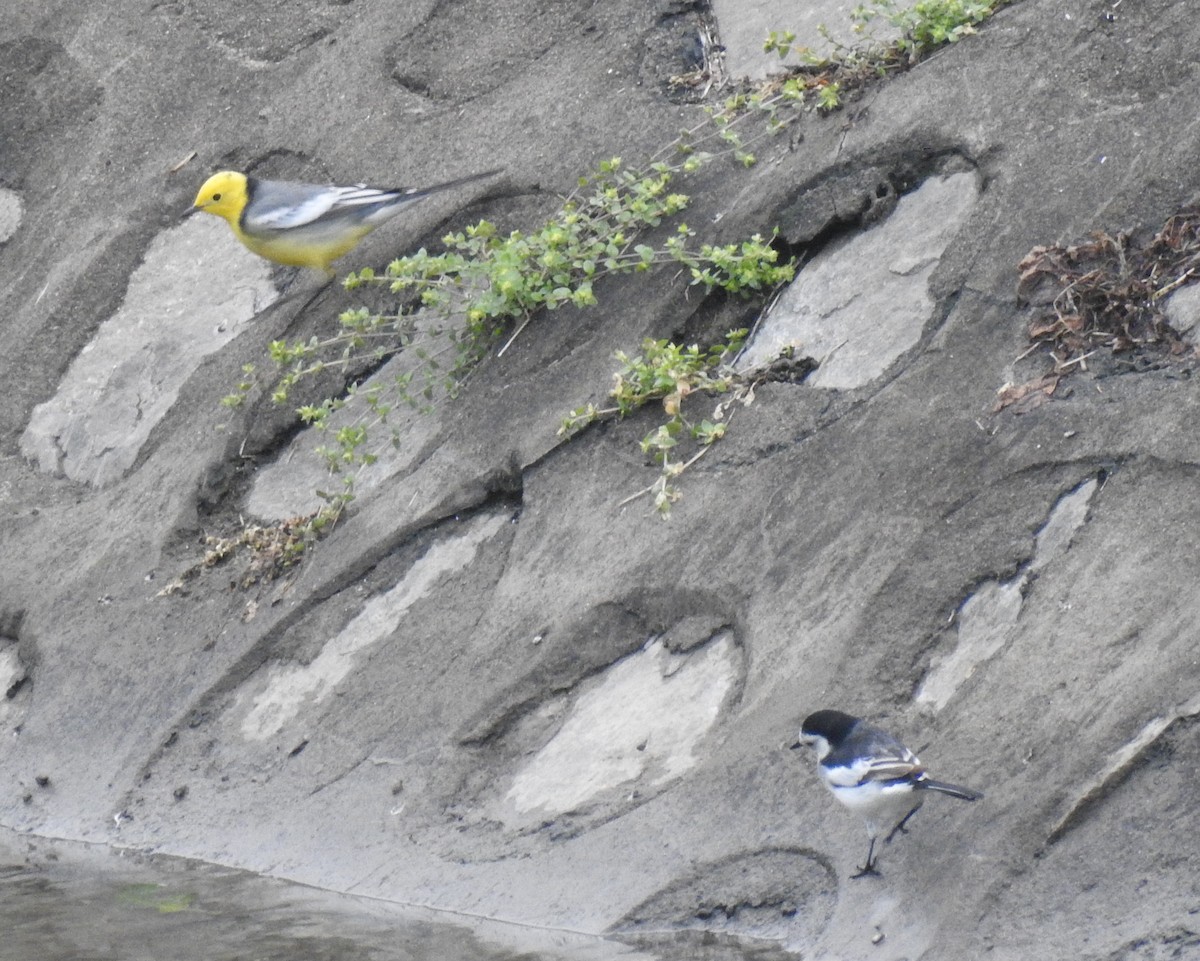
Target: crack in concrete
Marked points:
1121	764
988	617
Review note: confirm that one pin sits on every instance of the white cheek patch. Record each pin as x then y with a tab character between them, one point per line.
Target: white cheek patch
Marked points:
818	744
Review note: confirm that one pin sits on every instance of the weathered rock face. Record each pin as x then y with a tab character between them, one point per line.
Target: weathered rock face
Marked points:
495	689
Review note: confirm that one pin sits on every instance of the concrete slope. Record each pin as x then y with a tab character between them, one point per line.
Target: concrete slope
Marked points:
496	687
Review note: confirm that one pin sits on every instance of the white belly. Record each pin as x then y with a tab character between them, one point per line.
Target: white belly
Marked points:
881	803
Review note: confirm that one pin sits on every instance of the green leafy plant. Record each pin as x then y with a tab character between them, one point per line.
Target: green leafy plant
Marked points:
676	376
926	24
457	302
922	27
486	282
669	373
780	42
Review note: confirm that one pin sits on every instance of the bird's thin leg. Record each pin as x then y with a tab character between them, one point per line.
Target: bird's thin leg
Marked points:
899	828
291	290
869	867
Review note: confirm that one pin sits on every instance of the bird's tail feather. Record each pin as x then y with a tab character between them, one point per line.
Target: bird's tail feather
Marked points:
954	790
417	193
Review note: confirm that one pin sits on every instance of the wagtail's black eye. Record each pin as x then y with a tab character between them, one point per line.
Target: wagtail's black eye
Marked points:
216	196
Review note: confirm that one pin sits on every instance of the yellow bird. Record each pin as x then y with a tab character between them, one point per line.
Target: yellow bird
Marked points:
305	225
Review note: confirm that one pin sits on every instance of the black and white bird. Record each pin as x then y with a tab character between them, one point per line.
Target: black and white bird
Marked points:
871	773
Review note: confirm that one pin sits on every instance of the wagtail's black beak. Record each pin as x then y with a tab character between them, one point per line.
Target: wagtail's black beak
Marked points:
187	213
797	745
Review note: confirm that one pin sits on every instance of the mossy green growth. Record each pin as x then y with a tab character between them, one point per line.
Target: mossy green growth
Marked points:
155	897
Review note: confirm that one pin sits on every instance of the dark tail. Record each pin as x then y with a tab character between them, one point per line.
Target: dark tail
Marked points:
414	193
954	790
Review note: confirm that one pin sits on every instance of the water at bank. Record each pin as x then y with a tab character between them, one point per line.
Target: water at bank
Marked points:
72	902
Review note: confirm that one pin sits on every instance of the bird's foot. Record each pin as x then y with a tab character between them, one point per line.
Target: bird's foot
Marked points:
900	828
865	872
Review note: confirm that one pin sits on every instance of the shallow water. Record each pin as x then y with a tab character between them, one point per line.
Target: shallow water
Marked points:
70	902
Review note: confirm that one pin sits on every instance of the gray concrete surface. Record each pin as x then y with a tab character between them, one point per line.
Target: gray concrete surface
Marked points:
496	689
857	307
187	299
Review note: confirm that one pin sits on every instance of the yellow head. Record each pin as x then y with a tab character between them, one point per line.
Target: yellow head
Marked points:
223	194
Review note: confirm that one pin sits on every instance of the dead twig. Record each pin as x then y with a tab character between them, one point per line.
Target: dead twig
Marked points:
1108	292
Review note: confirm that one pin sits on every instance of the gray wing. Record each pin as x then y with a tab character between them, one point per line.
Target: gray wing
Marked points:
871	754
278	205
282	205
